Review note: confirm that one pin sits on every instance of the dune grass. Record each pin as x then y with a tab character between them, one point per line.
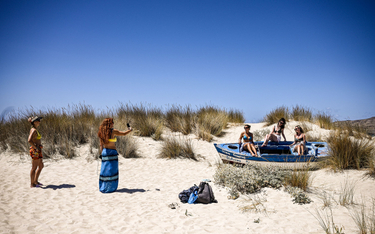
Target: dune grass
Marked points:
324	120
364	217
235	116
147	120
276	114
65	128
177	148
299	178
180	119
347	152
346	196
326	221
300	113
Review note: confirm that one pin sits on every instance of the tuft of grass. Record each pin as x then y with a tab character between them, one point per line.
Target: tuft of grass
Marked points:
235	116
348	153
127	146
327	199
211	120
327	223
299	178
324	120
256	204
300	113
146	120
177	148
347	193
275	115
180	119
360	219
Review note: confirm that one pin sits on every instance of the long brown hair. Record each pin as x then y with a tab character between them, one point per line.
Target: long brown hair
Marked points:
105	130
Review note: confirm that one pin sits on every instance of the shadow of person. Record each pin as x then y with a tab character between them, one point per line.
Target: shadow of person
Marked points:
61	186
125	190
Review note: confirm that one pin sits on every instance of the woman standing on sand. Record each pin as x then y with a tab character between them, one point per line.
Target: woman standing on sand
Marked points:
108	180
275	134
35	152
299	140
248	143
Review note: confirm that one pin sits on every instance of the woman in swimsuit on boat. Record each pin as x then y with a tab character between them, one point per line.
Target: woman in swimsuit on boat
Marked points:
108	180
299	141
35	152
248	143
275	134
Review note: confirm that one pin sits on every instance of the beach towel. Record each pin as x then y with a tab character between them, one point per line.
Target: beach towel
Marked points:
108	180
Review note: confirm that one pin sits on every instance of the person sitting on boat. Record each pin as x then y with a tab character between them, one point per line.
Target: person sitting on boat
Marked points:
248	143
275	134
299	141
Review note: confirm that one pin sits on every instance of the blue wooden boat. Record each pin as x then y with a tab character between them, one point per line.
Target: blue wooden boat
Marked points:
274	154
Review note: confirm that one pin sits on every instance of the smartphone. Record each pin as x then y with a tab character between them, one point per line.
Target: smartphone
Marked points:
128	125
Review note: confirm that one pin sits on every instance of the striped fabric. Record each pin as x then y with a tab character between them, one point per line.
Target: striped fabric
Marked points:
108	180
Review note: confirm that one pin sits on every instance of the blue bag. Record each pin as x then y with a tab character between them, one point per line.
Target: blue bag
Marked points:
193	197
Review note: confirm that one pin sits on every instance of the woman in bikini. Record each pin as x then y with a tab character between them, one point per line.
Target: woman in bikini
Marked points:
109	176
248	143
35	152
299	141
275	134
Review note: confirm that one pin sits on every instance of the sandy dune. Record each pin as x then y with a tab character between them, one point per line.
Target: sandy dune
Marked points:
70	201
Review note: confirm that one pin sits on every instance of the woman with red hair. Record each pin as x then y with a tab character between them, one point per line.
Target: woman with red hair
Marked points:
109	175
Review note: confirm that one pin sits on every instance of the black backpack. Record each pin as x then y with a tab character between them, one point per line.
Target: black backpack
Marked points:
184	195
205	193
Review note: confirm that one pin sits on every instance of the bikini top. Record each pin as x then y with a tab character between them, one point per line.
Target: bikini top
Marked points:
298	139
246	138
113	139
38	135
278	131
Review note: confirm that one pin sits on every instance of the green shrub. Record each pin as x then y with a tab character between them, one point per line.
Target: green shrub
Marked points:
250	178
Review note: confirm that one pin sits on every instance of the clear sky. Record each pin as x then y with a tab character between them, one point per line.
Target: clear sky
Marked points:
248	55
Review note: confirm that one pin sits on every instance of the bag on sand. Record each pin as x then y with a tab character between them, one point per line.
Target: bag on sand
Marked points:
205	193
185	195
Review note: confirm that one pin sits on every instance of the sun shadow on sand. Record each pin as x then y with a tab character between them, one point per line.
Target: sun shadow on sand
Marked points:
125	190
61	186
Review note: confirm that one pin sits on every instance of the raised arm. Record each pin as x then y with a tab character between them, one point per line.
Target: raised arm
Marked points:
121	133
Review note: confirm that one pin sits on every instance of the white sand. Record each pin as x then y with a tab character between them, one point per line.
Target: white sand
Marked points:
70	201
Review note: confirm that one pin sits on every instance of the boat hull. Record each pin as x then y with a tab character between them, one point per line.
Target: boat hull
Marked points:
275	154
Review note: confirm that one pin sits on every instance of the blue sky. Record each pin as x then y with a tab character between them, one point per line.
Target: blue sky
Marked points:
248	55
